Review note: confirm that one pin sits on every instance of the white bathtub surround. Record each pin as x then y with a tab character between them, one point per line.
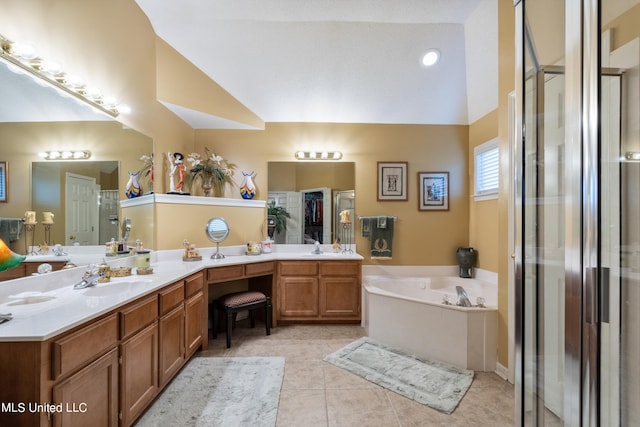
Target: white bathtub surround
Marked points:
405	310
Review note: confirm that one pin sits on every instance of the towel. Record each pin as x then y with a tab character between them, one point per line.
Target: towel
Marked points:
379	231
10	229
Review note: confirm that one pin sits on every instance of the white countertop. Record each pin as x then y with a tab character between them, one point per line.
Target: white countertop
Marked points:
47	305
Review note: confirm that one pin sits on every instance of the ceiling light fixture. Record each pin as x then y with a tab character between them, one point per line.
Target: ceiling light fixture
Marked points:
65	154
25	58
430	58
318	155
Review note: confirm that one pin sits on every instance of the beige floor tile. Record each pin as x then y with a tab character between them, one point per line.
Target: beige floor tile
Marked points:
360	407
316	393
302	408
300	375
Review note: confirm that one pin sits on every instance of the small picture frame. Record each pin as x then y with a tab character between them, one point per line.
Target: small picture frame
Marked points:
4	182
392	181
433	190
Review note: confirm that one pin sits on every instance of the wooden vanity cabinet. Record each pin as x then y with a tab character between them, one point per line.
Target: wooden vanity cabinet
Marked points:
138	357
171	331
108	370
319	291
90	397
27	268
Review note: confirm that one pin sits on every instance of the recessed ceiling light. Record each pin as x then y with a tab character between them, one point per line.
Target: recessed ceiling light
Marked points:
430	57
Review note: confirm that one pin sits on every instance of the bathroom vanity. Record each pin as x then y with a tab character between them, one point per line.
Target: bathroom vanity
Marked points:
101	355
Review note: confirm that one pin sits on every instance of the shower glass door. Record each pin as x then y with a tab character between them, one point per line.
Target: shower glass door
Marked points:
578	255
541	260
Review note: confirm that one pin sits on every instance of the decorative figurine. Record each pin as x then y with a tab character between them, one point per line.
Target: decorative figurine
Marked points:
248	188
176	160
190	252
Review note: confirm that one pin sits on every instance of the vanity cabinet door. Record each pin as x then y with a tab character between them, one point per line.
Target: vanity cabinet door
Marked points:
171	354
340	298
194	315
90	396
138	373
298	297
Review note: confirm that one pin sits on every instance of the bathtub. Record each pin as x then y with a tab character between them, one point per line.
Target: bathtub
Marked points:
408	313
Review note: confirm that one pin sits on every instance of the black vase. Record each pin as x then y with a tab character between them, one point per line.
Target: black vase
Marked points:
467	258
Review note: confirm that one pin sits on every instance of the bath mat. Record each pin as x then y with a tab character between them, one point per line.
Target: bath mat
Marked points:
220	391
433	384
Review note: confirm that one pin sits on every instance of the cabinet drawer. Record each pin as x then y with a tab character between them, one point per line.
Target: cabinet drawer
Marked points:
302	268
74	350
134	318
171	297
259	269
224	274
193	284
329	268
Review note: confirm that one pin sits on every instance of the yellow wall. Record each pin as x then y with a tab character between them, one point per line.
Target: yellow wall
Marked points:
421	237
506	85
483	215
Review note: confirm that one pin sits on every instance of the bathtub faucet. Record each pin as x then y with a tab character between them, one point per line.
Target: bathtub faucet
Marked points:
463	298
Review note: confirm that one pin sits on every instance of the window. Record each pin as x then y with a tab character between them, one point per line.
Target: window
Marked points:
487	168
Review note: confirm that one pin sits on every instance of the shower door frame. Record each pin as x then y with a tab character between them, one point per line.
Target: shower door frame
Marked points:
582	259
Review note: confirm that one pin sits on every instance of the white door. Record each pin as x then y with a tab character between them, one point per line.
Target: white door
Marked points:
294	223
81	210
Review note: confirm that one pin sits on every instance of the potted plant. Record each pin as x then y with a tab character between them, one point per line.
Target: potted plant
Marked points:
279	216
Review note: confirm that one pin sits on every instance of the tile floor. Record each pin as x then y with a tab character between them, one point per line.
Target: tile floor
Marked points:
315	393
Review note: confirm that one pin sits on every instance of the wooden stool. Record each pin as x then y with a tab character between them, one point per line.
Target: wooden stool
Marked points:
239	301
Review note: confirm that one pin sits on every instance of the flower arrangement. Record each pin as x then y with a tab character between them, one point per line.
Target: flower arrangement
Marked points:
212	169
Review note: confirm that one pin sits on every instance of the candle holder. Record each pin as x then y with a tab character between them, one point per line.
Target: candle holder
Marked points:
47	232
29	228
345	237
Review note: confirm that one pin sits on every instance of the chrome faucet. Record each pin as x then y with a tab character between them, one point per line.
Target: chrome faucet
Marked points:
317	250
463	298
90	278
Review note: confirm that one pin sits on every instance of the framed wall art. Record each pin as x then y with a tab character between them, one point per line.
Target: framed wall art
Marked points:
392	181
4	182
434	191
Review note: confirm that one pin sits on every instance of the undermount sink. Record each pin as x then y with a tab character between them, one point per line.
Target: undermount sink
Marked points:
25	298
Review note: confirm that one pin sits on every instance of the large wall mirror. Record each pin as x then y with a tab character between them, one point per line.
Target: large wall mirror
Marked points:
313	194
34	118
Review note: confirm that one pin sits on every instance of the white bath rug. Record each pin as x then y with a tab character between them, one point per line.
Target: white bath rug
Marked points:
220	391
434	384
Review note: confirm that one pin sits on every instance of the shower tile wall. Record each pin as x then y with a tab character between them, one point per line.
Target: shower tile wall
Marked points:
109	200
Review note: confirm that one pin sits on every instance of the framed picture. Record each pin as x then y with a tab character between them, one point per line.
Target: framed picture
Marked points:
4	182
392	181
434	191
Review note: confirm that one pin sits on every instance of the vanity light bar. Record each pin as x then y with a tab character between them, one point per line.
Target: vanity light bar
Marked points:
25	58
318	155
65	155
632	155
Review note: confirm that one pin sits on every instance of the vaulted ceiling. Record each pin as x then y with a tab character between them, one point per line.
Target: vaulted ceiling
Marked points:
355	61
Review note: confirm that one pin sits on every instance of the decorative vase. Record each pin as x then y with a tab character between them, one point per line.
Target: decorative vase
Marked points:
467	258
207	182
248	189
133	188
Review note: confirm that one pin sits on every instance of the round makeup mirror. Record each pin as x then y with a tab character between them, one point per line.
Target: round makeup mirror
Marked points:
217	230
